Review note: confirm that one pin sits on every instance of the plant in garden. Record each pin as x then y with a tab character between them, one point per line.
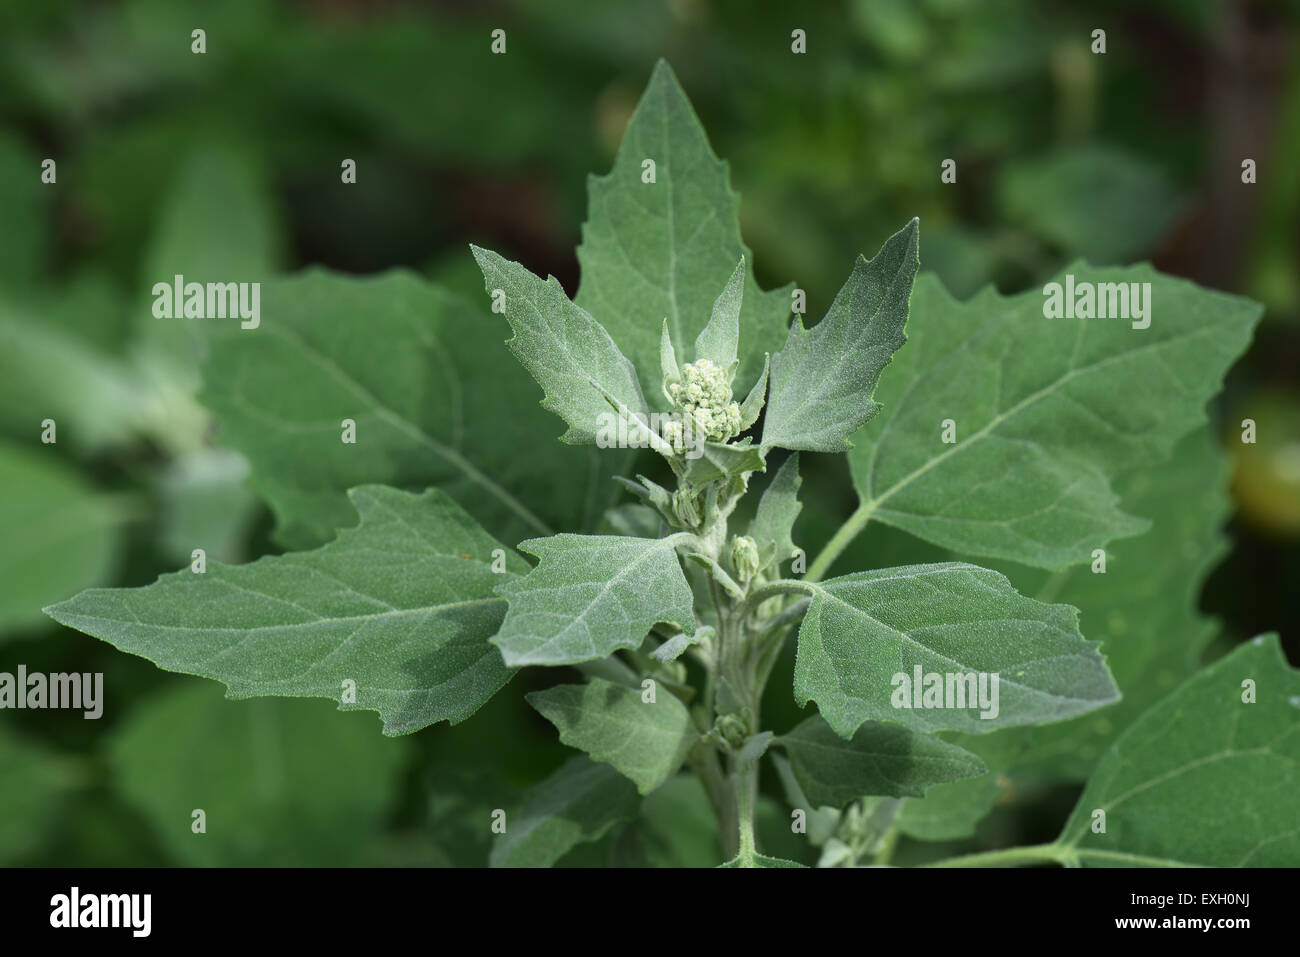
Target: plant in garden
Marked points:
988	430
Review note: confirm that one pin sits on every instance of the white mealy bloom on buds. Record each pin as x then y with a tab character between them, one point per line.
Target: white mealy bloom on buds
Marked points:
704	393
744	557
673	435
686	508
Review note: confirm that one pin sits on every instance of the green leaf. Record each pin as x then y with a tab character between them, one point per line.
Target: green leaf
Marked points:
717	341
649	491
646	742
753	404
718	461
718	573
668	359
777	511
1044	411
660	250
821	821
1144	607
583	375
224	188
402	605
59	535
1094	201
281	783
457	825
1204	778
880	760
862	630
591	595
35	778
632	519
755	747
49	372
759	860
577	804
419	371
951	811
822	380
677	827
205	502
676	646
25	245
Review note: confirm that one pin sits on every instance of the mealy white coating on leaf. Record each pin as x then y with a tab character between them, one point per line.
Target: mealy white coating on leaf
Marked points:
879	760
676	646
402	604
420	371
1047	412
1203	778
778	508
822	379
572	357
666	249
669	369
717	340
1145	609
646	741
862	629
577	804
591	595
753	404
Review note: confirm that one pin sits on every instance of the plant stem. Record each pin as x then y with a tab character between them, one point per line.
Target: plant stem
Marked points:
887	846
771	590
768	654
839	541
1034	854
705	763
746	792
719	645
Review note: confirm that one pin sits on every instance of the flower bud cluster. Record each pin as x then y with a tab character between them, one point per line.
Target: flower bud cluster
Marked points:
704	393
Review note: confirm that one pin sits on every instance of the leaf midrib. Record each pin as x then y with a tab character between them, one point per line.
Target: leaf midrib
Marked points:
669	541
821	589
395	613
410	429
826	379
876	501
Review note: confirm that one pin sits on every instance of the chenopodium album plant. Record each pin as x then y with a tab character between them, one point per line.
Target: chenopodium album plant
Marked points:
1008	429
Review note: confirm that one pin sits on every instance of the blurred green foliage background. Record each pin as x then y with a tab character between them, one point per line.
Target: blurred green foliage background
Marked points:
232	159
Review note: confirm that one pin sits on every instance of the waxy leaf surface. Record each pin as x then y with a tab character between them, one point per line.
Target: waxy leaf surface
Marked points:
879	760
645	741
591	595
1046	412
402	605
862	630
1204	778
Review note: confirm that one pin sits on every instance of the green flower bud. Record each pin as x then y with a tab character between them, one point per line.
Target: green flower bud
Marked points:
686	508
744	557
731	728
704	393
